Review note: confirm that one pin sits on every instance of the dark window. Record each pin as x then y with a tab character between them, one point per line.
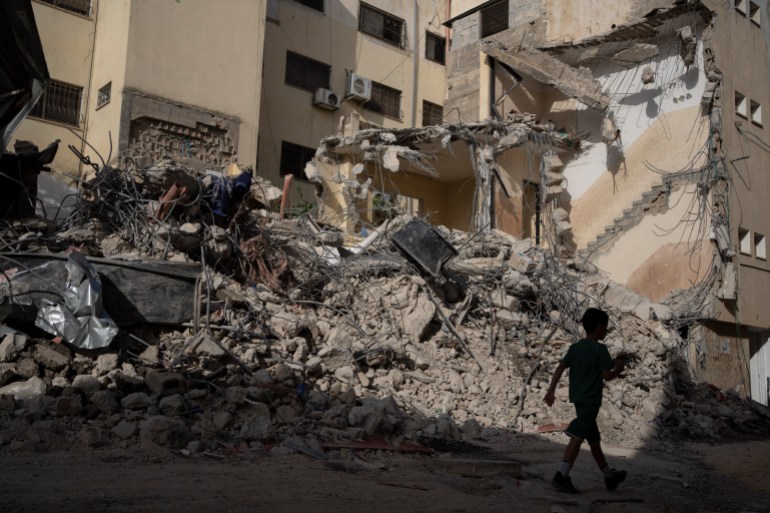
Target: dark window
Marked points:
435	48
104	95
60	102
306	73
432	114
385	100
294	158
494	18
77	6
318	5
381	24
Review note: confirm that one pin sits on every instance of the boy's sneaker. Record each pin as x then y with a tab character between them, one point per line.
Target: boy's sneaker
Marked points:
564	484
618	476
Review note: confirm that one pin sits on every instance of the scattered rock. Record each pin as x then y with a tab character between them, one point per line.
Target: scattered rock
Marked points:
25	390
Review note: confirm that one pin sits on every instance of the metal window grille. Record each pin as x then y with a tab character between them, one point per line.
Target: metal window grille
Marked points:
385	100
318	5
381	24
306	73
294	158
432	114
60	102
77	6
435	48
104	95
494	18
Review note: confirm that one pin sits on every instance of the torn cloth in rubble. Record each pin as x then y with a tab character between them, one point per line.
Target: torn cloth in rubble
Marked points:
80	319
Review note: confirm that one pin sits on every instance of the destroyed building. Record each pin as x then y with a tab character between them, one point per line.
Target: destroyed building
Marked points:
561	163
627	136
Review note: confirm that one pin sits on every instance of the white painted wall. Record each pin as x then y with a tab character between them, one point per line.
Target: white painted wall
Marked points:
635	107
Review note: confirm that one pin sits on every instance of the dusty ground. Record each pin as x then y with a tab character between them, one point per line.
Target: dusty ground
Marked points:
703	478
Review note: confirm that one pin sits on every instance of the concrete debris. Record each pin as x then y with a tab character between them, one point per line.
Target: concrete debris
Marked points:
576	83
640	52
415	334
648	75
687	45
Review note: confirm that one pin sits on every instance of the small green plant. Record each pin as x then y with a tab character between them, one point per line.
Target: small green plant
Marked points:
302	207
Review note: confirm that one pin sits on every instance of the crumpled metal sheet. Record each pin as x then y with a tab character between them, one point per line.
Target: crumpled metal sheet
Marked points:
80	319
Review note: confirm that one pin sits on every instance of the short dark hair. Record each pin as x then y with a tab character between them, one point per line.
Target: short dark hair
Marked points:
593	318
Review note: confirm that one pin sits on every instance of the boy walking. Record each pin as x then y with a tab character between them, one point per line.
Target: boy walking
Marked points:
589	362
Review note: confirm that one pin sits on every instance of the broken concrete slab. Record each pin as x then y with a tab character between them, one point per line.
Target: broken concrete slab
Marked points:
577	83
640	52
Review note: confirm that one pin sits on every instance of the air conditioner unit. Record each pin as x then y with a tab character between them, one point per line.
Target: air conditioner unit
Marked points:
326	99
358	87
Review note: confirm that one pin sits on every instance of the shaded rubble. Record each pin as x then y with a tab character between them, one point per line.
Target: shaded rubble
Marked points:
296	334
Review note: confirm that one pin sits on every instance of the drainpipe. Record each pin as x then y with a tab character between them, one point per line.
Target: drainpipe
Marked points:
90	90
448	35
416	69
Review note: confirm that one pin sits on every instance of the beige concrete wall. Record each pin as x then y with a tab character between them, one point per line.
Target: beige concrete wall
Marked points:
197	53
617	188
572	21
673	266
110	56
741	51
333	38
719	355
654	257
67	40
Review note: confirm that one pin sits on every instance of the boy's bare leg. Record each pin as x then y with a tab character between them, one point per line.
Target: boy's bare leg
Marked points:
573	449
598	454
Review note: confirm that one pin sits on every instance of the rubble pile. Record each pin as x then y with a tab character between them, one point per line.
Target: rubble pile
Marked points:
296	332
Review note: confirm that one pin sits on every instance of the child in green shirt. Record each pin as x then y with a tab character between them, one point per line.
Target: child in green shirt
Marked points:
589	363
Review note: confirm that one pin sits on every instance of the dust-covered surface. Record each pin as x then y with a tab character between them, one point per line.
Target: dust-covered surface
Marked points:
131	481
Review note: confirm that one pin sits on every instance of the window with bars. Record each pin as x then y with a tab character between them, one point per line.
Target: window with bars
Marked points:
104	95
306	73
385	100
494	18
318	5
432	114
435	48
381	24
294	157
60	102
82	7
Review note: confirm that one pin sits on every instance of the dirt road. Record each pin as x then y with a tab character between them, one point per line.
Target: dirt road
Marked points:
703	478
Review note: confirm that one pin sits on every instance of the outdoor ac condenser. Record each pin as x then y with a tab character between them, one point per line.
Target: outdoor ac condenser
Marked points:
326	99
358	87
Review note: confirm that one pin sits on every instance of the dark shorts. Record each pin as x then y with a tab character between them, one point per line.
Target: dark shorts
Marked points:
584	426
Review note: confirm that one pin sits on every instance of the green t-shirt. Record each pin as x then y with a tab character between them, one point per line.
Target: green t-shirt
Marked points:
586	360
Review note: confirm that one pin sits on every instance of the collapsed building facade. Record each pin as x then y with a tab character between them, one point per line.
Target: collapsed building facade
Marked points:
187	312
628	137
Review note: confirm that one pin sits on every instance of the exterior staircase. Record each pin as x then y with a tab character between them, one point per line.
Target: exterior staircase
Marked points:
654	201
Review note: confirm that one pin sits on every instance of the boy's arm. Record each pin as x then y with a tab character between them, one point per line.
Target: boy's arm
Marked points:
616	371
549	396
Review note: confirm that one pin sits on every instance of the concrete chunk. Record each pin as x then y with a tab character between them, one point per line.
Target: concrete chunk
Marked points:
12	346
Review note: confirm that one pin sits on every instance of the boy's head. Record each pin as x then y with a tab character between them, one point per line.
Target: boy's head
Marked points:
595	322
